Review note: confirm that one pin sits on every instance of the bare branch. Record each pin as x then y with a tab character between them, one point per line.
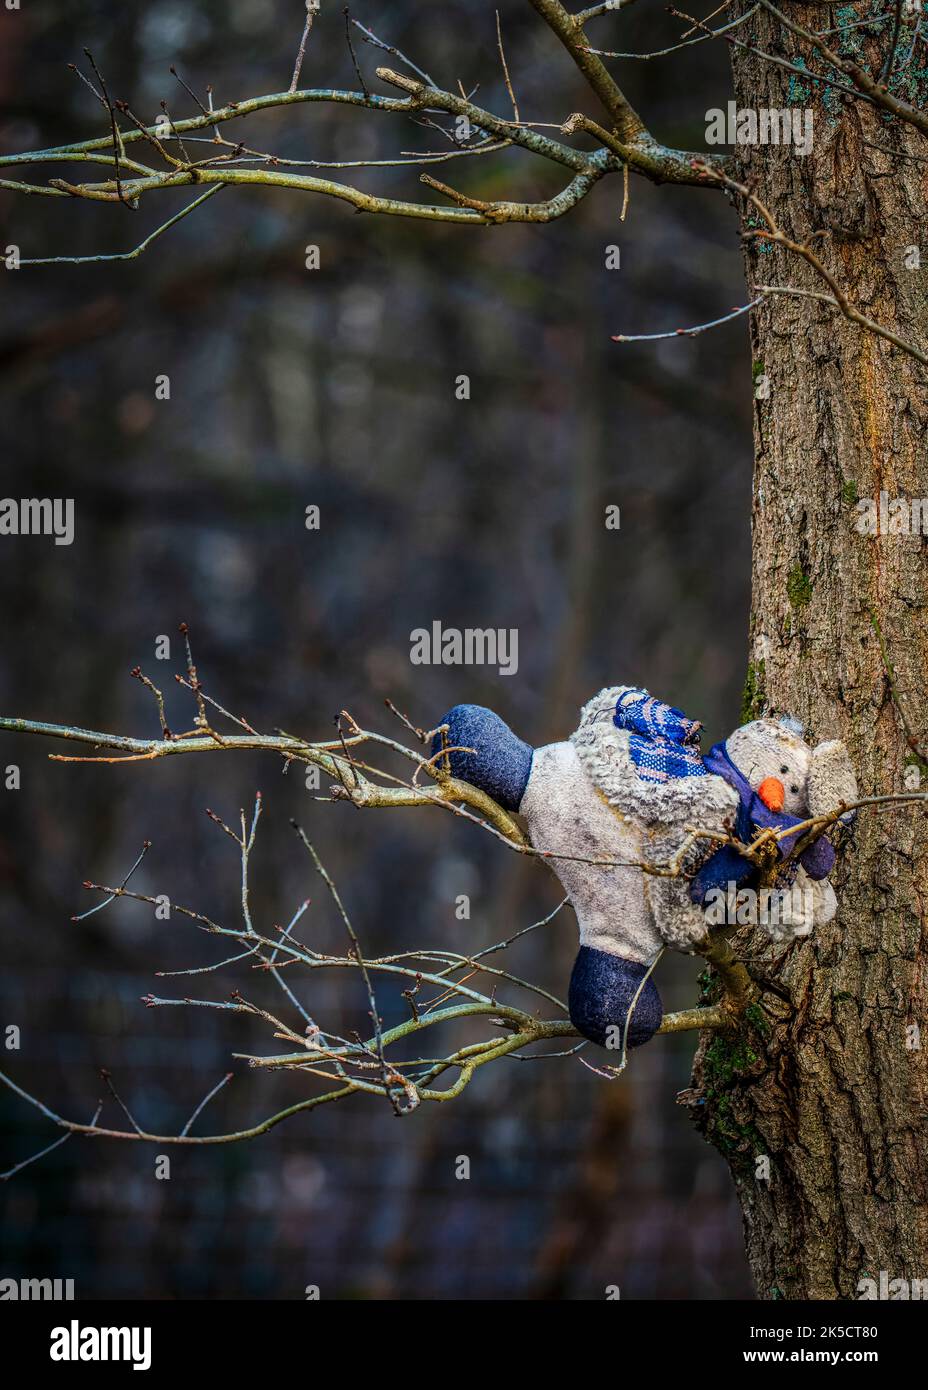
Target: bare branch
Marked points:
371	38
127	255
205	1101
684	43
687	332
117	142
569	29
18	1167
388	1085
505	66
312	9
643	153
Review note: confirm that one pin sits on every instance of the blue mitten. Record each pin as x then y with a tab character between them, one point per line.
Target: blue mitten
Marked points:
500	763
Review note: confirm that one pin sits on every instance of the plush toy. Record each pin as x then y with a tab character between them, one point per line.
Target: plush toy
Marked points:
626	787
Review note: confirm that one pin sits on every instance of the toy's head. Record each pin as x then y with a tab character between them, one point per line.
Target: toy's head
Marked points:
787	774
776	761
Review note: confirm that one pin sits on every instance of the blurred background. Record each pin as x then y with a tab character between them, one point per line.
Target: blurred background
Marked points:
336	387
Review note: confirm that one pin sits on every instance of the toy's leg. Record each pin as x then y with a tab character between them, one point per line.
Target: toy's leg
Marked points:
501	762
602	988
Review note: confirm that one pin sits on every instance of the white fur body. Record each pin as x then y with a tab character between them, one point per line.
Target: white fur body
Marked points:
565	814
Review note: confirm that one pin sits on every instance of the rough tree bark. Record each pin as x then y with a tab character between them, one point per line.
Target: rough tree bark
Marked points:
825	1080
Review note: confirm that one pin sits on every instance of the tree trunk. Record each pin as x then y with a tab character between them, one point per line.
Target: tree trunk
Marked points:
828	1079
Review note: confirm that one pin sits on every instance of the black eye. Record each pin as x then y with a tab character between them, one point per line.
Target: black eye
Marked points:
794	789
786	769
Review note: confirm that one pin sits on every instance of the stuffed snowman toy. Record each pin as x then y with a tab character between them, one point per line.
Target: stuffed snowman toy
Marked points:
627	787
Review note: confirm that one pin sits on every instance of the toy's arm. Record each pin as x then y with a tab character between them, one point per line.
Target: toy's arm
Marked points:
500	763
831	780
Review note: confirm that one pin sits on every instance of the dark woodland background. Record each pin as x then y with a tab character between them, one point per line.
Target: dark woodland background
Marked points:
336	387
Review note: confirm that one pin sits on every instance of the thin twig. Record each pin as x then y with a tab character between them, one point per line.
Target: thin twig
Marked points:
687	332
354	56
372	1001
502	58
118	893
115	128
17	1168
108	1081
312	9
142	246
205	1101
371	38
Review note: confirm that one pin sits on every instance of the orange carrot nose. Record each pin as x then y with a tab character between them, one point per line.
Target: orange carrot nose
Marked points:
772	793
